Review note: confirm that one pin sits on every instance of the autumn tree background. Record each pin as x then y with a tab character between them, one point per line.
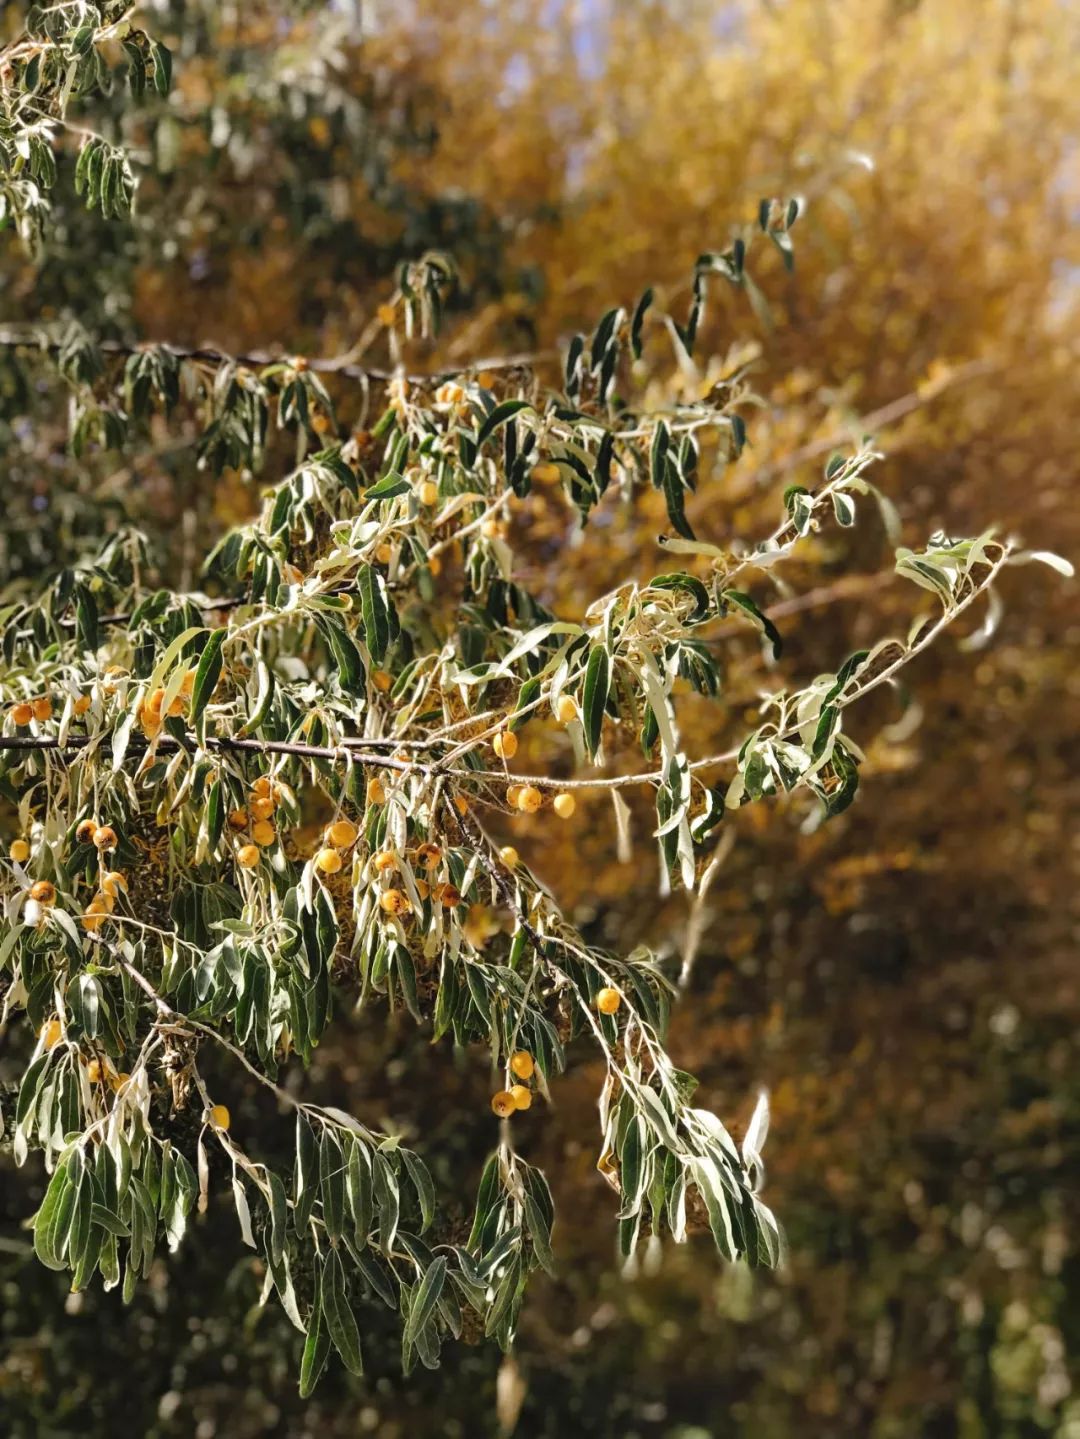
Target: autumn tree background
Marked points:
901	979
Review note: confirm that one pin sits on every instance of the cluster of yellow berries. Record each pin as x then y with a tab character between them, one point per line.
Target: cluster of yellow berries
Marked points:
528	799
342	834
39	709
151	717
104	902
518	1096
257	818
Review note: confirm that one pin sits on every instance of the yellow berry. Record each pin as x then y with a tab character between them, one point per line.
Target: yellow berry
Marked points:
428	854
114	881
503	1103
92	920
381	680
320	423
384	554
105	838
566	709
545	471
521	1064
385	315
376	793
247	856
521	1095
119	1081
564	805
85	831
43	892
262	787
50	1033
429	493
21	714
19	851
342	833
220	1117
608	1000
385	860
263	833
509	856
529	799
505	745
238	819
513	794
328	861
448	895
101	904
187	684
41	709
392	901
94	1071
261	807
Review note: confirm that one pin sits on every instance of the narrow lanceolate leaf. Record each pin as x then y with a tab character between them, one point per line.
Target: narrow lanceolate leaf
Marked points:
595	696
340	1320
426	1298
306	1178
374	611
316	1349
332	1183
499	416
53	1218
206	678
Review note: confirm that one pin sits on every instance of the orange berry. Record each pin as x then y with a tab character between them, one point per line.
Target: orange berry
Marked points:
566	709
19	851
376	793
105	838
608	1000
101	904
509	856
85	831
503	1103
448	895
434	564
522	1064
428	854
385	315
461	804
384	554
94	1071
43	892
394	902
92	920
42	709
545	471
320	423
385	860
247	856
529	799
113	882
50	1033
485	379
423	889
261	807
263	833
342	833
262	786
154	702
81	705
292	575
22	714
150	722
564	805
328	861
238	819
381	680
187	684
220	1117
521	1095
505	745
